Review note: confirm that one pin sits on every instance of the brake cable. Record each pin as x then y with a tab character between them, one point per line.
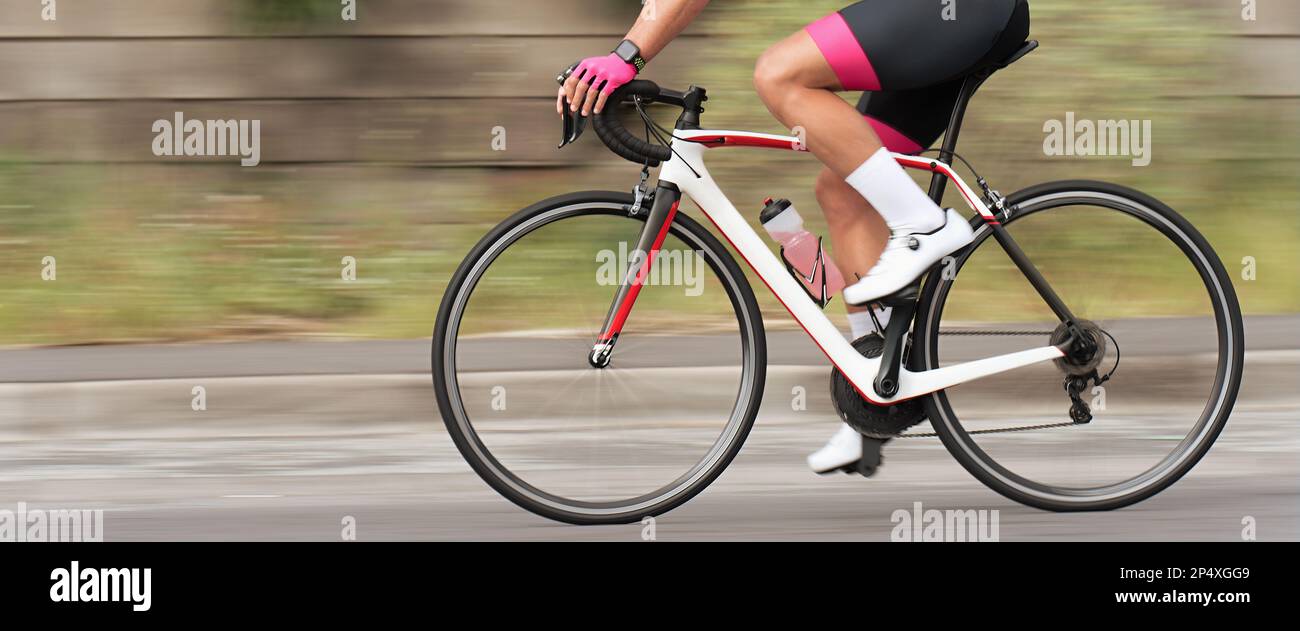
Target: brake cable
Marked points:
654	128
994	198
639	192
941	152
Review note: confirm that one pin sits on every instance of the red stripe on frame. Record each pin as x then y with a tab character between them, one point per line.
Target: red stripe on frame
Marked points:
741	140
936	166
625	308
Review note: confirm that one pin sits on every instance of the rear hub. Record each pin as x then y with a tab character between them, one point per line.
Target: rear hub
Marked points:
1085	350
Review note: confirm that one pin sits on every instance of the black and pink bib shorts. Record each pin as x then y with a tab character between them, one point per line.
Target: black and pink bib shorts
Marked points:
910	56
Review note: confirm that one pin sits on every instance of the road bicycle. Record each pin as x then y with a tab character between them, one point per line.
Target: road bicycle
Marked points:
592	411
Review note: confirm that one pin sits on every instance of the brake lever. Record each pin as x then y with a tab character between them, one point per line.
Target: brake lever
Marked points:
574	125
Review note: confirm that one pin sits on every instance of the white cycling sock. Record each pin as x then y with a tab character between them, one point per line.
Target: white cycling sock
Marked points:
905	207
860	321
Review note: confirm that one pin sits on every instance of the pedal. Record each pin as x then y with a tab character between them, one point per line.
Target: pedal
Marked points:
904	296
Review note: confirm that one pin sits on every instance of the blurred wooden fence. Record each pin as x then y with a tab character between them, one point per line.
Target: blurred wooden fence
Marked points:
409	83
421	83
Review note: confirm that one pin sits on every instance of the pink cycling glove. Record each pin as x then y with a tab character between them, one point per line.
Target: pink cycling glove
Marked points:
611	69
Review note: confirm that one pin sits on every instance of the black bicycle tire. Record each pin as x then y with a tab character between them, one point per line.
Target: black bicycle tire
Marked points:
744	298
940	413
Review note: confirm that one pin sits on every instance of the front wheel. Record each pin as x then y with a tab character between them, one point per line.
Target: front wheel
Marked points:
1162	306
572	439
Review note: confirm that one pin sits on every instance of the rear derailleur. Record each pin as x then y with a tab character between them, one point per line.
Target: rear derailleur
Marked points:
1075	386
1084	345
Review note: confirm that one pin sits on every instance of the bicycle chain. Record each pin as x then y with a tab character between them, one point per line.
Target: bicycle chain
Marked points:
1021	428
1048	333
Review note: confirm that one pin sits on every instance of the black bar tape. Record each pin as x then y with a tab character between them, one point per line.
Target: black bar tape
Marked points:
615	135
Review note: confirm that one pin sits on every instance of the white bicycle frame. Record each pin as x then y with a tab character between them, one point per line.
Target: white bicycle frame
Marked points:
686	170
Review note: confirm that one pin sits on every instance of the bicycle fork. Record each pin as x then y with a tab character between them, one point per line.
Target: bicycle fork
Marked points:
658	222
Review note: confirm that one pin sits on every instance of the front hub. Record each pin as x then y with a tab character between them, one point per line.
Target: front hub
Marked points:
601	353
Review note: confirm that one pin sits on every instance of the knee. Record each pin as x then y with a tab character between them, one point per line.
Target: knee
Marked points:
773	76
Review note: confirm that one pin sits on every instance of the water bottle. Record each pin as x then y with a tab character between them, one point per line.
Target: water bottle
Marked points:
802	251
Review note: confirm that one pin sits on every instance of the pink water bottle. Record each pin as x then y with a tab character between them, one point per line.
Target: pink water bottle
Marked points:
801	250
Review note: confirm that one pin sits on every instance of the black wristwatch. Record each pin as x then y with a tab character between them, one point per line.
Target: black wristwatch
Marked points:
631	53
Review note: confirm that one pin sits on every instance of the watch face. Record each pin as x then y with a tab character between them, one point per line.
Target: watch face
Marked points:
627	51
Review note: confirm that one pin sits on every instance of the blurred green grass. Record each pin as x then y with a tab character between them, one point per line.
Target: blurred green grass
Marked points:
181	252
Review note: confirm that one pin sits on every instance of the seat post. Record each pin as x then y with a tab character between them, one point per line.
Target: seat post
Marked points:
938	181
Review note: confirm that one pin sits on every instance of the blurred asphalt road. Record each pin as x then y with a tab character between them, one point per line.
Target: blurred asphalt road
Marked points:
299	435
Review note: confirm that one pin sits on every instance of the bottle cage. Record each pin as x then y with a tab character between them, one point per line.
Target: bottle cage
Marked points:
821	298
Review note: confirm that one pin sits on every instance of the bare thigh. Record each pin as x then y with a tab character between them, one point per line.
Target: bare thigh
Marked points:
797	59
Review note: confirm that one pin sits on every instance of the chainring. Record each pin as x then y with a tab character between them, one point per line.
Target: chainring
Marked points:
876	421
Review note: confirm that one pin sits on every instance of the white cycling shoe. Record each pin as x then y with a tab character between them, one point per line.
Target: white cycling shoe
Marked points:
843	449
907	256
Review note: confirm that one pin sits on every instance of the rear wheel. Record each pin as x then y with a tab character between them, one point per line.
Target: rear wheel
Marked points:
584	444
1162	305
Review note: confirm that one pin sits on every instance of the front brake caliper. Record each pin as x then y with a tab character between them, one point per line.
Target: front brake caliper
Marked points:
639	193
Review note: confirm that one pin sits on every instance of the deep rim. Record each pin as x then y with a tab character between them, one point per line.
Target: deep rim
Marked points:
682	488
1199	437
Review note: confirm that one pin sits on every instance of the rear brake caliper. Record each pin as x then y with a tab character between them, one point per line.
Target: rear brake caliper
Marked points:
995	201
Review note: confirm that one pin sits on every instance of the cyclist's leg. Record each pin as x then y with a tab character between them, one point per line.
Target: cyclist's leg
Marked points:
795	79
857	233
873	45
796	84
798	87
880	46
906	121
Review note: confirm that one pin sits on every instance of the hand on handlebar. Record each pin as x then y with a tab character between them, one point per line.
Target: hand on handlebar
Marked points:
589	85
